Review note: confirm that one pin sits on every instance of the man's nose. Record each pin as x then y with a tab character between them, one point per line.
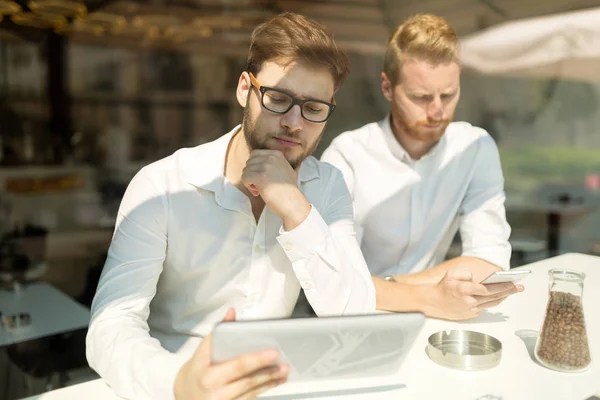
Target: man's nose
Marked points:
435	110
292	120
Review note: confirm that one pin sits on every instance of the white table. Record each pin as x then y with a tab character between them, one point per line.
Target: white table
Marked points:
51	312
516	377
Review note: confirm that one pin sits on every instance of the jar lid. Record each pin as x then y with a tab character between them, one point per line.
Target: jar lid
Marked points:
566	274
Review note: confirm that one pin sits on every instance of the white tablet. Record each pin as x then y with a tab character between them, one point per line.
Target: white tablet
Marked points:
326	347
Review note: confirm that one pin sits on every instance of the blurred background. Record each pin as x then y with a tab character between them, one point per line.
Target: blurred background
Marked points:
91	91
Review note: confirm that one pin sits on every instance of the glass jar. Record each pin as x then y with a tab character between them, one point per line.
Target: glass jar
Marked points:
563	342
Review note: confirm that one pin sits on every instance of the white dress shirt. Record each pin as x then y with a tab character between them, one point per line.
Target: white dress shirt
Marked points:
408	211
187	247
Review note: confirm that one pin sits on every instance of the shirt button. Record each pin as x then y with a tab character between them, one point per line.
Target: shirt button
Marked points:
252	297
306	285
288	247
257	249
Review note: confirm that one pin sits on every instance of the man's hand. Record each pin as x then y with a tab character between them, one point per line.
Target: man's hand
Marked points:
242	378
457	297
269	175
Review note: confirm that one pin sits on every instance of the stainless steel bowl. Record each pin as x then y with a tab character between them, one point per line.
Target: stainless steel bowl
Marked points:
465	350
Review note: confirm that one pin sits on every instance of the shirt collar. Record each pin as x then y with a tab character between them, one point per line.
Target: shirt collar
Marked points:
392	143
204	165
396	148
308	170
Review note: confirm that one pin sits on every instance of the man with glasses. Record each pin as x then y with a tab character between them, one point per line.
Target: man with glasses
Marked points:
440	176
233	228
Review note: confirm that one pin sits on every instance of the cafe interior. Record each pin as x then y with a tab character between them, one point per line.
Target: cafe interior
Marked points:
91	91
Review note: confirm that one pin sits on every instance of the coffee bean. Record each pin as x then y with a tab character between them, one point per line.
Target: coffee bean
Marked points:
563	340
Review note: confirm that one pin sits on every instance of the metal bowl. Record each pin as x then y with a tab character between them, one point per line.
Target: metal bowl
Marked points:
464	350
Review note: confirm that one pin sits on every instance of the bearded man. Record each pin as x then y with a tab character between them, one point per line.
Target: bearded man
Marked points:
416	178
233	228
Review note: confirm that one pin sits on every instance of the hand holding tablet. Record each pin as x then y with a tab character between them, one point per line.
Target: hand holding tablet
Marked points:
246	375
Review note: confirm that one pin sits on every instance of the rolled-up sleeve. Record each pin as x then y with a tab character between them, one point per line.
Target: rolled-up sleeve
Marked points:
327	259
119	347
484	230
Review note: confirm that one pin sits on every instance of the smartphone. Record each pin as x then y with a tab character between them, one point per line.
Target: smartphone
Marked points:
506	276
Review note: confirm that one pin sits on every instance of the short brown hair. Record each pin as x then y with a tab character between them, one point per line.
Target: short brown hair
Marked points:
290	37
422	37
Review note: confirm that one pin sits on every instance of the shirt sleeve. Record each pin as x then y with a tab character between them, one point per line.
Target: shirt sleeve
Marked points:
118	345
484	230
334	155
327	259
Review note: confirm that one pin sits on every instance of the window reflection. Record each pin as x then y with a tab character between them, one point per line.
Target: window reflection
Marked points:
84	106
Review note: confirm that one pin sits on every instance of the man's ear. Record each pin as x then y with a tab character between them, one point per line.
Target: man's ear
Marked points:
243	89
386	87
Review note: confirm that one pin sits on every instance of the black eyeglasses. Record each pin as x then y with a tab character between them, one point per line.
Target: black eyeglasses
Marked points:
280	102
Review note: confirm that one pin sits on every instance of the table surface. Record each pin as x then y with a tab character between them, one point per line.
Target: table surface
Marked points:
51	312
515	323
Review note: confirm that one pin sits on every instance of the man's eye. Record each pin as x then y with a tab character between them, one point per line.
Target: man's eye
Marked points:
314	110
277	99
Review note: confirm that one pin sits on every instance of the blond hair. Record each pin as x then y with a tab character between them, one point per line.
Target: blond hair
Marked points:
422	37
290	37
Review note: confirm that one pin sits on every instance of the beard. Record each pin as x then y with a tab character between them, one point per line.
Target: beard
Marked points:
418	130
259	141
